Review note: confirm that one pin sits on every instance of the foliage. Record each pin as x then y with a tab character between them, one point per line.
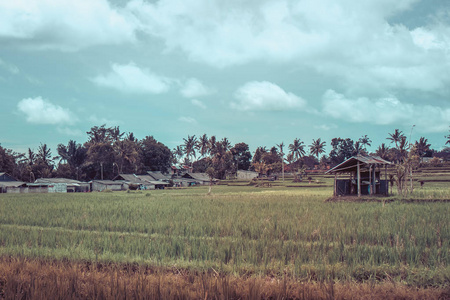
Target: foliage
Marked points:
241	155
155	155
237	230
342	149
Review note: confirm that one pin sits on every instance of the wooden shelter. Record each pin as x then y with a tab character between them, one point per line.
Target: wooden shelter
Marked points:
361	175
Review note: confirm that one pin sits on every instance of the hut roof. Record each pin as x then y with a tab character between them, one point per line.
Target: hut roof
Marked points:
58	180
108	182
6	177
12	183
198	176
350	164
139	179
157	175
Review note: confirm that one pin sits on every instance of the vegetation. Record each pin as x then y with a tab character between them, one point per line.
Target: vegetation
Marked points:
109	151
236	230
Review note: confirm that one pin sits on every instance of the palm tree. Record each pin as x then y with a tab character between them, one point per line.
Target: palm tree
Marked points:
226	144
178	153
365	141
448	139
44	154
189	147
297	148
317	147
31	158
281	146
212	145
396	137
422	146
382	151
126	154
358	148
203	145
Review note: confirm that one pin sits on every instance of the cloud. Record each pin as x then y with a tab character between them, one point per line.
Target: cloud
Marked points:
198	103
326	127
9	67
195	88
385	111
40	111
132	79
94	119
263	95
63	24
352	42
69	131
189	120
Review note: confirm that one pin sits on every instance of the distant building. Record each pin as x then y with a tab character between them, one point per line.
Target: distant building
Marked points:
9	184
144	182
64	185
246	175
200	178
110	185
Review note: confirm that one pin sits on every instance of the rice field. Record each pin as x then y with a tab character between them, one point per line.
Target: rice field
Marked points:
240	231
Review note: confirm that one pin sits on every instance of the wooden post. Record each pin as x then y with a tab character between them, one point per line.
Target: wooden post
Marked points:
385	178
370	180
335	185
359	179
374	180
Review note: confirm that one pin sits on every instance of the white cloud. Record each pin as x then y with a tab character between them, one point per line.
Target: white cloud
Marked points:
94	119
326	127
40	111
195	88
132	79
263	95
384	111
64	24
69	131
353	42
198	103
189	120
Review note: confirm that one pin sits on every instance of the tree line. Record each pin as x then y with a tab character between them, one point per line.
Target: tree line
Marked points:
108	152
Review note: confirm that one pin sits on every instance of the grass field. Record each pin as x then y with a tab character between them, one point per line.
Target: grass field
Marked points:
240	231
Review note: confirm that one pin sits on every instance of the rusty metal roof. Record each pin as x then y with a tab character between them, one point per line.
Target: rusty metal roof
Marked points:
351	163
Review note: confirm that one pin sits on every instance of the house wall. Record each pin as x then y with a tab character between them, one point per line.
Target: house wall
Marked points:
246	175
98	187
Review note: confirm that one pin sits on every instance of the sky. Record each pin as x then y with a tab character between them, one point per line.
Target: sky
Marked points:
258	71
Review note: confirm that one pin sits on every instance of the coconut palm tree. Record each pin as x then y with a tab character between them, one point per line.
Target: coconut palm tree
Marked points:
281	146
189	147
448	139
226	144
382	151
178	153
365	141
297	148
396	137
212	145
203	145
421	147
317	147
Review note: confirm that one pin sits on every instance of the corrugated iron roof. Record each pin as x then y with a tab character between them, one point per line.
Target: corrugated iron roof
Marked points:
58	180
12	183
351	163
157	175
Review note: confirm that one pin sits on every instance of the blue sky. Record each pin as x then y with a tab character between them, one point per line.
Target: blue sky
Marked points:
262	72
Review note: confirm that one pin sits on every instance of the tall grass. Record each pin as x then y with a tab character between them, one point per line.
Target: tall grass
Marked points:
239	230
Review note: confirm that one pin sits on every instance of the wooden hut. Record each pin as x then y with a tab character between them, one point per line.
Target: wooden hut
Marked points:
361	175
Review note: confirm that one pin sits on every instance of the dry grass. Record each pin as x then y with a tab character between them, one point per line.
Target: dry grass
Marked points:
40	279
